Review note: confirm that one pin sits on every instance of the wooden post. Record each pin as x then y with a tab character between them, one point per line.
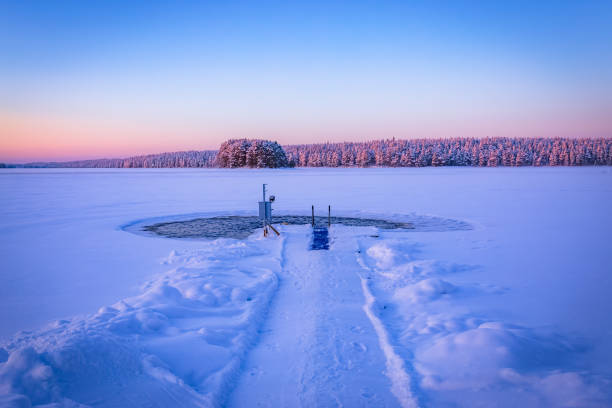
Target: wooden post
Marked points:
329	216
313	215
274	229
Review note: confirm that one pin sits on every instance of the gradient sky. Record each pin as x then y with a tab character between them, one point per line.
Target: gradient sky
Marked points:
88	79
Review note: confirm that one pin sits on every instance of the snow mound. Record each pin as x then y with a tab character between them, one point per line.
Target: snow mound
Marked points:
493	360
179	343
389	253
458	356
423	290
383	255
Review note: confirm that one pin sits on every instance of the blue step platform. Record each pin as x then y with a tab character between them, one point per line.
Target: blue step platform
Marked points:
320	239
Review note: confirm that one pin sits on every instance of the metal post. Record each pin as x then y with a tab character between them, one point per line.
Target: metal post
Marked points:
313	215
329	216
265	231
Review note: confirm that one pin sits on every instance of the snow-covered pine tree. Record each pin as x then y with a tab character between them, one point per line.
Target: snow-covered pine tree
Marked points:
252	153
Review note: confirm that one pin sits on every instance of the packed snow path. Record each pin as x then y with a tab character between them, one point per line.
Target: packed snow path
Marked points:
318	347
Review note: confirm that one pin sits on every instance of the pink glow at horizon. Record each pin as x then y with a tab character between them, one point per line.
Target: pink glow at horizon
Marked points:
57	139
28	138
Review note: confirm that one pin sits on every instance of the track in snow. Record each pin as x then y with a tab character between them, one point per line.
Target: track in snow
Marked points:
318	347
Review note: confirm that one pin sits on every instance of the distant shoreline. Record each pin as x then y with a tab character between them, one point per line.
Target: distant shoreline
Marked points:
464	152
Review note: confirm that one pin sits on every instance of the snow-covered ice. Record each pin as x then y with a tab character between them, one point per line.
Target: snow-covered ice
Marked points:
179	342
511	311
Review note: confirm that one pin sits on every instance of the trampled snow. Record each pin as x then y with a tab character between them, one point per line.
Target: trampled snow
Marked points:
511	311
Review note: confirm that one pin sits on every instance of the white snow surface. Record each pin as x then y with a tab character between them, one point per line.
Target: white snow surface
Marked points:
513	312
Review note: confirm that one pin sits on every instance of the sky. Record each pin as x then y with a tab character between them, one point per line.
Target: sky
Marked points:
93	79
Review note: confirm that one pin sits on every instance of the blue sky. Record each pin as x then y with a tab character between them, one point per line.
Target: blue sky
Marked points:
92	79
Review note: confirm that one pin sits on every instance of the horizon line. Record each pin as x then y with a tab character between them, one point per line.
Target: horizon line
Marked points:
134	156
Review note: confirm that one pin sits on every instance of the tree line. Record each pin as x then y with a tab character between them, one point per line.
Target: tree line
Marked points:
486	152
192	158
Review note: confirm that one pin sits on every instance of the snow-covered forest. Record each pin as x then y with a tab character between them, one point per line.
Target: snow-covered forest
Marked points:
455	152
191	158
383	153
251	153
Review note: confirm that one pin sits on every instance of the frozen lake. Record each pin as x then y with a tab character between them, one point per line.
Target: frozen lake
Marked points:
540	238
